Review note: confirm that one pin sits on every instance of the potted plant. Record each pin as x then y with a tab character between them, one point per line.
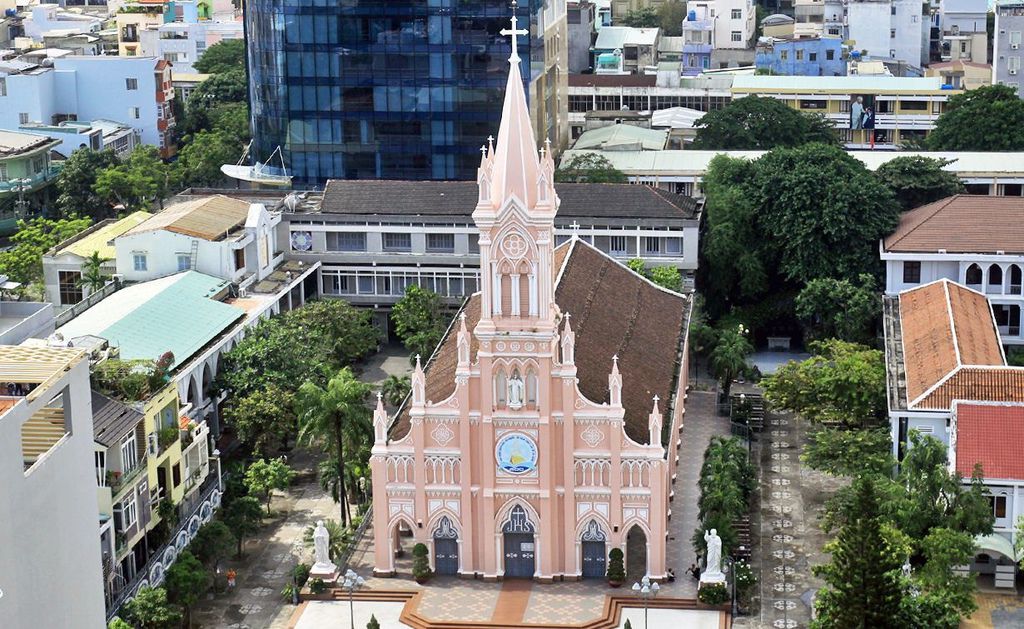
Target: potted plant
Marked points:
317	586
420	564
713	593
616	568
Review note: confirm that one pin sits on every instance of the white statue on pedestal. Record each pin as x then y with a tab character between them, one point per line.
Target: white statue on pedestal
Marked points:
713	565
515	391
321	552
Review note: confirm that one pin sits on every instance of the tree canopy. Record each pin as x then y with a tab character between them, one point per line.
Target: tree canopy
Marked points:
263	476
149	609
841	383
916	180
843	309
589	168
225	55
186	581
420	320
671	15
644	17
988	118
756	122
75	182
23	261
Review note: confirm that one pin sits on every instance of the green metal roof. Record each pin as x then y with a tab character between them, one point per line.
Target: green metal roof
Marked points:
180	317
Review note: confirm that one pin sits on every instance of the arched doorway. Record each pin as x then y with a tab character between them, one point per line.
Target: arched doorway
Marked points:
519	548
593	551
402	543
973	275
636	553
446	547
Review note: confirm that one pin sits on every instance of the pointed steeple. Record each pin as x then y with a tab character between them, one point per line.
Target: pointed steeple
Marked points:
654	425
615	383
419	385
516	167
568	342
463	344
380	421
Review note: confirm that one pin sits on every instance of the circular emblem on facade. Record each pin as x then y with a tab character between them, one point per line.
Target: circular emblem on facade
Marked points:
514	246
302	241
516	453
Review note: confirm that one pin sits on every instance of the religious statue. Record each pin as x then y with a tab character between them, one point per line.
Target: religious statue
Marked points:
713	564
323	567
516	390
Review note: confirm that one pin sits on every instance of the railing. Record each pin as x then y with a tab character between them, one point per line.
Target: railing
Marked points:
346	555
142	576
31	182
88	302
118	482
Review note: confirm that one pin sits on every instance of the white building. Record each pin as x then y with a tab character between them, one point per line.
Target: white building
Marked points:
1006	44
973	240
964	30
216	235
182	43
134	91
49	531
905	39
97	135
49	19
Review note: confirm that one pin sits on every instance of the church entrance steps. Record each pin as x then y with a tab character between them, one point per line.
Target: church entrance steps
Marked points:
394	596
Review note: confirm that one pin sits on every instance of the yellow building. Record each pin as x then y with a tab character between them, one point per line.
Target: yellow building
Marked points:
132	19
868	111
965	75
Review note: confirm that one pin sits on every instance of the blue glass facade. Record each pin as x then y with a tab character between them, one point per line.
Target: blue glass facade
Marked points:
390	89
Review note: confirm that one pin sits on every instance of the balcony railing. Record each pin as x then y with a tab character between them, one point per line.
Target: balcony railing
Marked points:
117	481
31	182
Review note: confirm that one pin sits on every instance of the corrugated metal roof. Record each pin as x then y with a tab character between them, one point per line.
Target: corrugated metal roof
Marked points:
102	239
209	218
840	84
612	37
614	135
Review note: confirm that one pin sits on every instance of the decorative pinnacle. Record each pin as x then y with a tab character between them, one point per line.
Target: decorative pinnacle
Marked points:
514	33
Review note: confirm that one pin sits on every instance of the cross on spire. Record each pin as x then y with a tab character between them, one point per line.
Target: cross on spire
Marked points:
514	33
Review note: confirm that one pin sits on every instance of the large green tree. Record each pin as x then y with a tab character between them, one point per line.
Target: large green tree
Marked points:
212	543
841	383
187	580
989	118
263	476
942	597
728	359
222	88
22	262
840	308
420	320
75	194
149	609
756	122
589	168
823	210
200	159
845	452
263	418
644	17
671	15
224	56
243	515
137	182
917	180
862	580
337	419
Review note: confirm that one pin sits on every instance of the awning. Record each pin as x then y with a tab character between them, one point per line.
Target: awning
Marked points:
996	543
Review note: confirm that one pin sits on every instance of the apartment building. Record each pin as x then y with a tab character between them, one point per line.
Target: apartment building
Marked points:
805	56
133	91
964	30
962	75
98	135
373	239
1006	44
49	530
581	18
972	240
26	175
698	39
906	38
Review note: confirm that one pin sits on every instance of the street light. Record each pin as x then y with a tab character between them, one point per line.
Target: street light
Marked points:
646	591
352	583
20	204
731	567
216	457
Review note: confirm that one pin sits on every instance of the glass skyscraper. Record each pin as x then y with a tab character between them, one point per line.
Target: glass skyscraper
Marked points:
396	89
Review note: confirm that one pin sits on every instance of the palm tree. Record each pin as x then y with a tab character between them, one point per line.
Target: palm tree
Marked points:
92	273
336	418
395	388
729	358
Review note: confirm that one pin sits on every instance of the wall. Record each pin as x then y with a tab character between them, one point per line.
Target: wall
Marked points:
49	529
725	25
1009	24
162	249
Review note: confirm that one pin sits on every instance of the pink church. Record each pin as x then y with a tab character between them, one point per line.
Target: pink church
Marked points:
543	431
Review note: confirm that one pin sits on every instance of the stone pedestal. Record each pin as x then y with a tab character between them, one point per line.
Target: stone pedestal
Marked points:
711	577
328	572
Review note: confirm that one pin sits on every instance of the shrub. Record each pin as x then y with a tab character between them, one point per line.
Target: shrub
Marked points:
744	576
288	593
301	573
616	568
373	624
420	563
713	593
317	586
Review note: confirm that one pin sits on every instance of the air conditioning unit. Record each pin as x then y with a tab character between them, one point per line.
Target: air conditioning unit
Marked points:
1015	46
1013	73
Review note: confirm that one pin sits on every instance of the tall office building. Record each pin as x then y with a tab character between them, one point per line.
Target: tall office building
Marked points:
397	89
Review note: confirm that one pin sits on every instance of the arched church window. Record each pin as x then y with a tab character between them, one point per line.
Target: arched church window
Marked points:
500	389
506	293
531	387
995	275
973	275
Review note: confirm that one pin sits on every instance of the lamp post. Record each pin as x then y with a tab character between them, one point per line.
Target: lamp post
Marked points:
352	583
646	590
731	567
220	480
21	203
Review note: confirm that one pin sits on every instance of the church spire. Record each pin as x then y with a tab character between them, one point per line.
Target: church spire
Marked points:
516	167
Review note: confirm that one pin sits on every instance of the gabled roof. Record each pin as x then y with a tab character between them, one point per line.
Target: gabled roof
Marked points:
622	136
612	37
989	434
962	223
641	323
100	237
111	419
209	218
945	346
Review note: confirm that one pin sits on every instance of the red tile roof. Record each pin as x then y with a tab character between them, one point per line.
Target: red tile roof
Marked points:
990	434
962	223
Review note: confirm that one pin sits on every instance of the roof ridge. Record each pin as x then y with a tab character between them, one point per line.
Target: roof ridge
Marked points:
952	321
624	266
940	205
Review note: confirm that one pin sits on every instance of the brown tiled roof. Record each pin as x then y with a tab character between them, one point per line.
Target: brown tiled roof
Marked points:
949	337
962	223
209	218
451	198
614	312
982	384
990	434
